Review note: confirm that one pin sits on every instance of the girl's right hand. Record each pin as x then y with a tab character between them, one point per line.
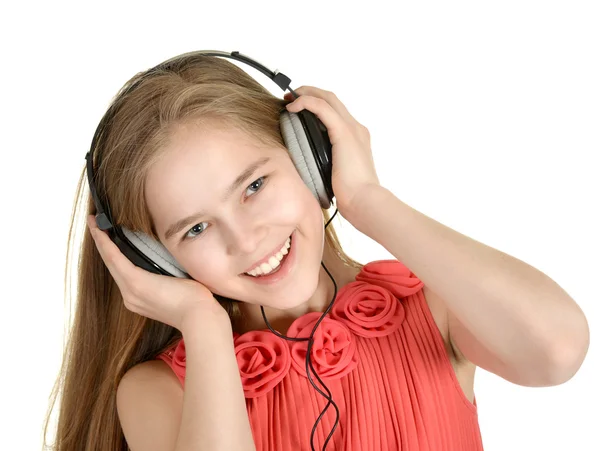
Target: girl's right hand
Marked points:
162	298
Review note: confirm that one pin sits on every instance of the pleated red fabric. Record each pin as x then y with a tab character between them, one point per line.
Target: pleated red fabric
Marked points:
383	359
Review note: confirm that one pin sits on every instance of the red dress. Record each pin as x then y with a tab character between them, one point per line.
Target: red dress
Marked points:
381	355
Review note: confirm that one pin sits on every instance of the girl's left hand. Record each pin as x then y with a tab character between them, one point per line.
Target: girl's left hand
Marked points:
353	170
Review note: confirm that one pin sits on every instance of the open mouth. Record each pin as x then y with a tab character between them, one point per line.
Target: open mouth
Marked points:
274	262
277	267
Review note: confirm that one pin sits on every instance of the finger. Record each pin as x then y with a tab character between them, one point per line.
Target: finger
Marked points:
119	266
335	124
330	97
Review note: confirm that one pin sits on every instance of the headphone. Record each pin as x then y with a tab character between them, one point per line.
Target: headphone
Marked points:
307	141
305	137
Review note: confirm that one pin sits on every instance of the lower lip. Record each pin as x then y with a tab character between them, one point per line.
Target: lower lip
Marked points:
283	269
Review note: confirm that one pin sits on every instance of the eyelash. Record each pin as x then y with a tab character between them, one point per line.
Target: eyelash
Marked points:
262	179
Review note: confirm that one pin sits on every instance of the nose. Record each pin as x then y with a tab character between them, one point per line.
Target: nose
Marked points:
243	238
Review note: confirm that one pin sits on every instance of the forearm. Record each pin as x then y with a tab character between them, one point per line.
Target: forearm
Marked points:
214	413
519	314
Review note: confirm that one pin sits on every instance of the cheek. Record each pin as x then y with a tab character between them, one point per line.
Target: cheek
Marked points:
206	265
307	215
294	200
298	207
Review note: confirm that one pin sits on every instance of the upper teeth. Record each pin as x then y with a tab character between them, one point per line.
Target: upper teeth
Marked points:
273	262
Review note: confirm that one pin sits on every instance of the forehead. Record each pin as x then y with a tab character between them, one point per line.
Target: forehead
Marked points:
204	152
211	143
197	166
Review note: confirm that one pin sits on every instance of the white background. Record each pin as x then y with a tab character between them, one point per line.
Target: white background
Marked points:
483	115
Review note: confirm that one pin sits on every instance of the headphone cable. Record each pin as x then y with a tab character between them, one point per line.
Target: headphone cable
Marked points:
309	362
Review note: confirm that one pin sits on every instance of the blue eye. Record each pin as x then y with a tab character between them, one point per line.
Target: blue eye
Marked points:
254	187
256	184
198	232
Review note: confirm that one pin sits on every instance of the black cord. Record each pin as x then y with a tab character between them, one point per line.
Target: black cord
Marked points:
309	362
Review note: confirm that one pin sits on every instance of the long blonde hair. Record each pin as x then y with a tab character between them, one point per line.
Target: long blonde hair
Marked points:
105	339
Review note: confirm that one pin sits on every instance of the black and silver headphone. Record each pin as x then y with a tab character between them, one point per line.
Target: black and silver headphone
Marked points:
306	139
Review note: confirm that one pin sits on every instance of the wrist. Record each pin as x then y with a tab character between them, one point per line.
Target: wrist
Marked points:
205	321
358	212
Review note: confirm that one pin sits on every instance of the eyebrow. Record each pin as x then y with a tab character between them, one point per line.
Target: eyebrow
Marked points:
177	226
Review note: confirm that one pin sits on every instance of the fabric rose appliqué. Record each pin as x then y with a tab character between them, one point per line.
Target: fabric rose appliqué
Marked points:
333	350
263	360
393	275
368	310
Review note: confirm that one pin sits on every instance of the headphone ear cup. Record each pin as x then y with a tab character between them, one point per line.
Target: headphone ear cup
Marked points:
155	251
303	156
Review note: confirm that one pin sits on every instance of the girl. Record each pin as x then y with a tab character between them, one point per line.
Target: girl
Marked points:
222	360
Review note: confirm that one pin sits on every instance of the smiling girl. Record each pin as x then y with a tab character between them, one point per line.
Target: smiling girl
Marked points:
195	159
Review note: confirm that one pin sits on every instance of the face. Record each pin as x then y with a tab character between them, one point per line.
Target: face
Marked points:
228	231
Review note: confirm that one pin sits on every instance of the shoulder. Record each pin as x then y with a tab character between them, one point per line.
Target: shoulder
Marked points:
149	402
151	372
